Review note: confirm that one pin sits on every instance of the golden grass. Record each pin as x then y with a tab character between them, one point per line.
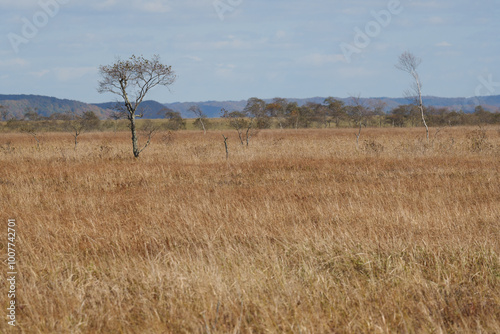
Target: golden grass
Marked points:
298	233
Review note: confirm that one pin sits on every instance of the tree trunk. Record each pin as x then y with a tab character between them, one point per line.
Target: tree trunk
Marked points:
358	135
203	125
421	105
134	136
225	144
423	120
239	136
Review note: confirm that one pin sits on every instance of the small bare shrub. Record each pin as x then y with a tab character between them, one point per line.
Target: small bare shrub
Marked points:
478	140
104	149
201	152
372	146
446	145
412	147
7	148
168	138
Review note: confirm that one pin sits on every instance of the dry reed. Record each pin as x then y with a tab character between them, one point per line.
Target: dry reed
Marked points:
298	233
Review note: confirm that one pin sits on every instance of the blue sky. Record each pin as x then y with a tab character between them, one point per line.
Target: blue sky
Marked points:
237	49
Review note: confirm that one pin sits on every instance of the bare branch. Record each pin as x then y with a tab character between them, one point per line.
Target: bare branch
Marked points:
408	63
149	130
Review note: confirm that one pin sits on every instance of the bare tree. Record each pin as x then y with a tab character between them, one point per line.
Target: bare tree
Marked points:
358	113
322	115
250	131
79	123
236	120
257	111
76	126
200	117
132	80
294	114
117	115
242	123
277	109
32	115
31	124
337	110
378	107
175	120
31	129
409	63
4	113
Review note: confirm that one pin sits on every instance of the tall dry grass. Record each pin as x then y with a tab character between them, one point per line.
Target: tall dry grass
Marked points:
298	233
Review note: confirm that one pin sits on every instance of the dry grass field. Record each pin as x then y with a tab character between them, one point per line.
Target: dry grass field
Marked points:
301	232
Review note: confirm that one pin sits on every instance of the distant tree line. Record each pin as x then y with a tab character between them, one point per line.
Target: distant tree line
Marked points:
87	120
280	113
277	114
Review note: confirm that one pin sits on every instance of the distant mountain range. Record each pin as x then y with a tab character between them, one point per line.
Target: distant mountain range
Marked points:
46	106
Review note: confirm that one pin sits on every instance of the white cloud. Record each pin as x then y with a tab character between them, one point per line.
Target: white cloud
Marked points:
156	6
151	6
232	44
436	20
107	4
40	74
225	70
18	4
72	73
14	62
448	53
318	59
280	34
354	11
235	43
194	58
429	4
350	72
443	44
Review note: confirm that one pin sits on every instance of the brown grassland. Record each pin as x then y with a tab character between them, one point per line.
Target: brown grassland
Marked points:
301	232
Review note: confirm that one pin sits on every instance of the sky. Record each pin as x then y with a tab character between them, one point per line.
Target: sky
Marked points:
238	49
